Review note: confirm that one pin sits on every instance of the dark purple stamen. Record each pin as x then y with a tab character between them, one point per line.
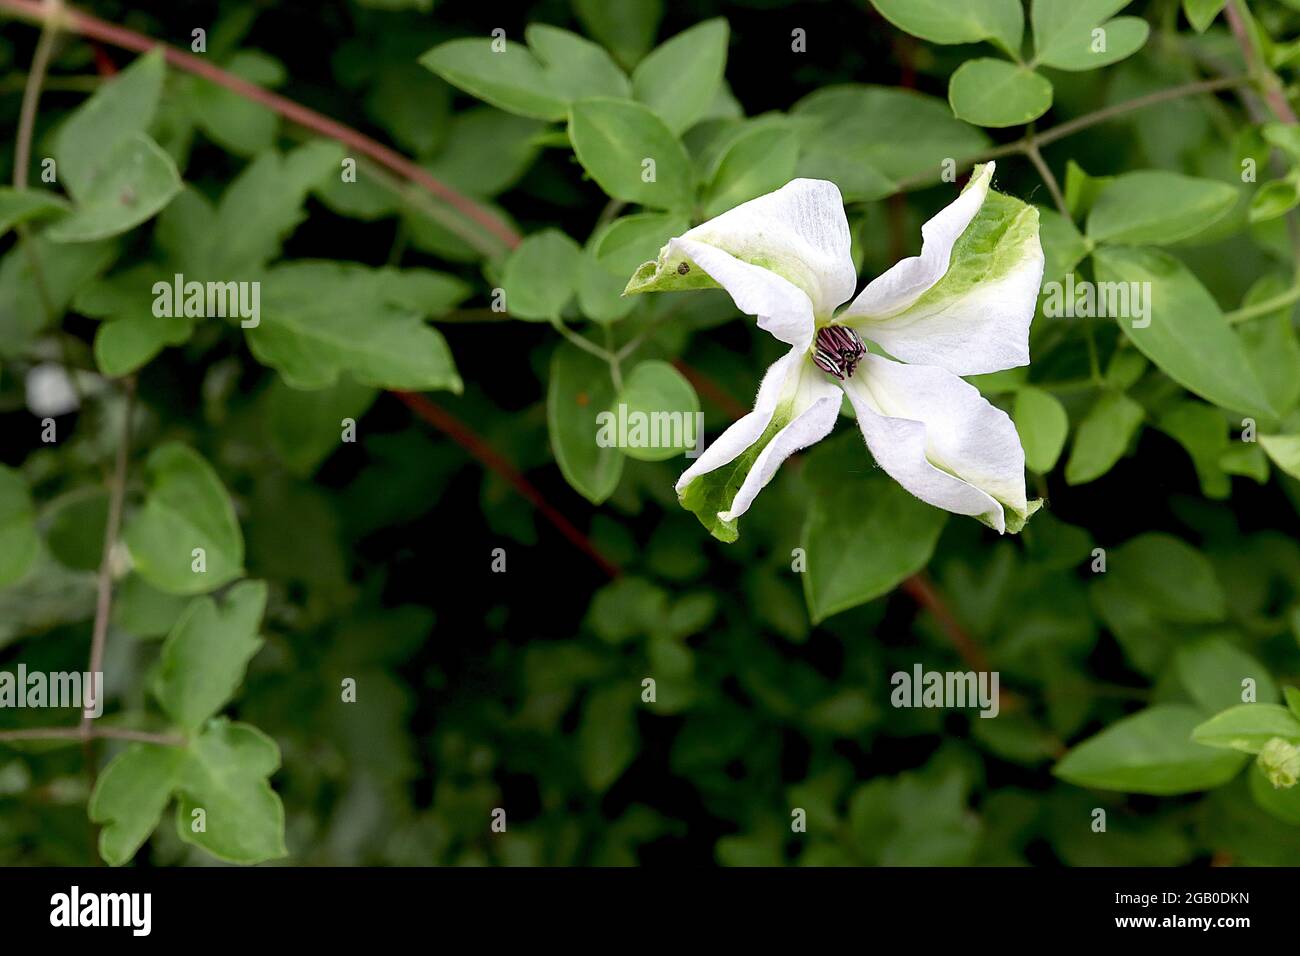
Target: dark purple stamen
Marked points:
838	351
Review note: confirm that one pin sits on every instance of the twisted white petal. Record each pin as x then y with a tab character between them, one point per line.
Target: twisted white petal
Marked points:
941	440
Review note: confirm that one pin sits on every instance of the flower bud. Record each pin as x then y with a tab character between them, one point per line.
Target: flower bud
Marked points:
1280	762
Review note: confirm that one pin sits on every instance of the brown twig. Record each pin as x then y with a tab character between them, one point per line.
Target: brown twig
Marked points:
104	583
95	733
488	456
86	25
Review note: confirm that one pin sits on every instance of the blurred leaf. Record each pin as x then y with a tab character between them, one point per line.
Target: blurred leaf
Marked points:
1103	436
628	30
322	319
1149	752
607	735
187	508
204	657
1248	727
120	110
19	544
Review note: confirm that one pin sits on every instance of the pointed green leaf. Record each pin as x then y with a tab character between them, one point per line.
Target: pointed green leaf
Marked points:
204	657
187	508
1187	335
1149	752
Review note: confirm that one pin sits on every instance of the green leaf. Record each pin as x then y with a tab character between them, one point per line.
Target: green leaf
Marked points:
680	77
257	211
627	28
119	110
632	240
1188	337
1248	727
1203	432
1173	579
130	796
1274	198
579	389
186	508
304	428
322	319
127	344
1149	752
1063	245
607	735
225	774
996	93
870	139
19	206
487	151
631	153
64	269
541	275
1201	13
1078	34
19	543
1281	802
1043	425
1157	207
137	181
75	534
939	21
1283	451
660	396
141	610
756	163
234	121
206	654
1212	670
1103	437
512	79
576	67
864	534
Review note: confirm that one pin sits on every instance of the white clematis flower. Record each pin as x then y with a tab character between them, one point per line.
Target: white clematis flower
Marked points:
962	307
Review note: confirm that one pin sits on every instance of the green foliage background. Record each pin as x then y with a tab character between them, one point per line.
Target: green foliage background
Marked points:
373	560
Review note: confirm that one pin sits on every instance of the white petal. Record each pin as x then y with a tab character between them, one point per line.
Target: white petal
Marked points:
800	232
783	309
976	317
817	403
903	284
941	440
742	433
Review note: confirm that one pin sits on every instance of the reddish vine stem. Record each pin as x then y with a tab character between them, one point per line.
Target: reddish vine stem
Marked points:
488	456
114	35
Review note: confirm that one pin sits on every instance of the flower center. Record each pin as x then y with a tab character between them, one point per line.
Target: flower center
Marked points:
837	350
